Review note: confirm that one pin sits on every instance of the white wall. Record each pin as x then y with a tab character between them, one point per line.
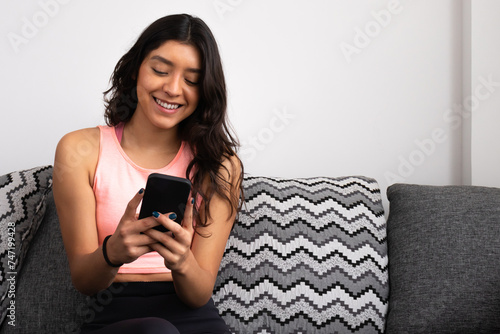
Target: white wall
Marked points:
485	92
319	87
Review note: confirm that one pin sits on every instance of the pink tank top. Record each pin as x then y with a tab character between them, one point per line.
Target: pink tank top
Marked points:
117	179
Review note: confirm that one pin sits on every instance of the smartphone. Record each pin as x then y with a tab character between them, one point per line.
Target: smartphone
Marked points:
164	194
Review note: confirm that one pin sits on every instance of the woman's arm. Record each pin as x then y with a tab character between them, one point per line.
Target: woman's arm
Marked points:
75	204
194	259
74	167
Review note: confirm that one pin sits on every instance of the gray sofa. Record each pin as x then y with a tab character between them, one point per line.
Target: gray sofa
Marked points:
305	256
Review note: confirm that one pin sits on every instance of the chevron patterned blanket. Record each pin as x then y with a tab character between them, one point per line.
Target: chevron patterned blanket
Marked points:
306	256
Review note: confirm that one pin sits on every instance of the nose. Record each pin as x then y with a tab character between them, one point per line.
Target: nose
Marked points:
172	85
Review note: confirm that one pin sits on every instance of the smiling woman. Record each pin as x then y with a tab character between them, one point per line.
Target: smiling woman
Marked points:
166	88
165	113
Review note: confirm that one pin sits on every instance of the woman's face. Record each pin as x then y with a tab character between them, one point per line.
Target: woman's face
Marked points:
167	84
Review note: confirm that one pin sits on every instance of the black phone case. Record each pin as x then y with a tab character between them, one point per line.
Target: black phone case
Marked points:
164	194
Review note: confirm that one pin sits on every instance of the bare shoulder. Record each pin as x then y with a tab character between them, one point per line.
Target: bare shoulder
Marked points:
77	151
231	168
81	140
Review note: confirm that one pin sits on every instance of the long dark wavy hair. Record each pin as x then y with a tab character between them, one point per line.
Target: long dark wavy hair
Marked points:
206	130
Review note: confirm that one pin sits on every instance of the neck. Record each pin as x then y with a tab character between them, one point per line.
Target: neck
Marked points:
141	134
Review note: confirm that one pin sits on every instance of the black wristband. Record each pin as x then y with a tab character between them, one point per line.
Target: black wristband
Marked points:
106	255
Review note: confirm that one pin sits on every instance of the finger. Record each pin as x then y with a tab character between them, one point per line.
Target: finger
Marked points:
162	250
144	249
162	238
146	224
168	221
166	244
171	252
120	254
143	239
131	209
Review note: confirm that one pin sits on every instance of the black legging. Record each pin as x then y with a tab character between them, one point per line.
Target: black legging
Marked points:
148	307
139	326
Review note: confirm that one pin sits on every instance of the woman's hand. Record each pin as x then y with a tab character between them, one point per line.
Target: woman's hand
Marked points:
174	246
127	242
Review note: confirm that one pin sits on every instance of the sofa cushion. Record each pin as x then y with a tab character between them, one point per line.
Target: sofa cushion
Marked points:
306	256
47	301
22	207
444	259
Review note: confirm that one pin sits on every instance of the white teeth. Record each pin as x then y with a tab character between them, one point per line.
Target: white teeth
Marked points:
167	105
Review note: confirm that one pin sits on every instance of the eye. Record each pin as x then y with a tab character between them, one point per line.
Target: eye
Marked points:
191	83
159	72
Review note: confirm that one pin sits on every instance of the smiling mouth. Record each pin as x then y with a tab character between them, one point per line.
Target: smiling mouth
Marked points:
166	105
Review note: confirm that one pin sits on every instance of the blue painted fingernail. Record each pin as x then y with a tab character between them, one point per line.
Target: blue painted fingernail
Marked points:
172	216
141	191
156	214
192	200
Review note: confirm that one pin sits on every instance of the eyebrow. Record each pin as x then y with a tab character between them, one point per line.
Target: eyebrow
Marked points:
168	62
